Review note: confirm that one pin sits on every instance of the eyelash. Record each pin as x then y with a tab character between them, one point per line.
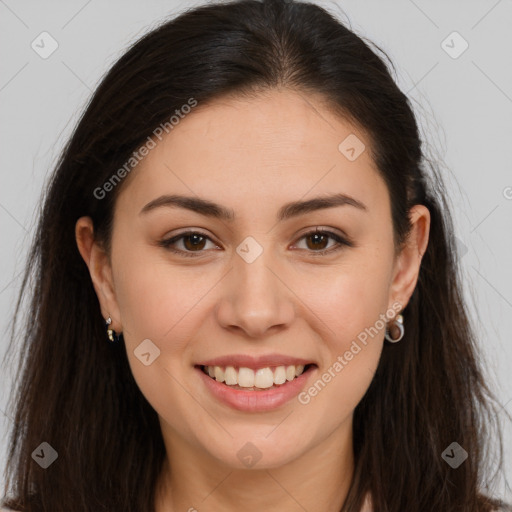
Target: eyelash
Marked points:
167	244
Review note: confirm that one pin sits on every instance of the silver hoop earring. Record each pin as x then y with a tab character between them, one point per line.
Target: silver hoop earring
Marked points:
400	324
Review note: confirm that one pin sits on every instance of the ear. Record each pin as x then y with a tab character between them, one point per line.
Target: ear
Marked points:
100	269
407	263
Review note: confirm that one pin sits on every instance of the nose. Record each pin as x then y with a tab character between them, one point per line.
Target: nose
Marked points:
255	298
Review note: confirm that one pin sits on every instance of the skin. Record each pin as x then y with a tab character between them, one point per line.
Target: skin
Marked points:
254	155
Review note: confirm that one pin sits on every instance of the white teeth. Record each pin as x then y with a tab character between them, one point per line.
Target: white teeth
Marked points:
230	375
262	378
299	369
280	375
246	377
219	374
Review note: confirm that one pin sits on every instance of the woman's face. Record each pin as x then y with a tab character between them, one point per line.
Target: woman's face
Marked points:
254	285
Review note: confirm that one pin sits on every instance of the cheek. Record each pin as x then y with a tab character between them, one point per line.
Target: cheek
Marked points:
349	299
350	304
351	308
159	303
154	295
354	343
338	388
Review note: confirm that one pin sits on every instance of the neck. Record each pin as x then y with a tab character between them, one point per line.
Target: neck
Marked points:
318	479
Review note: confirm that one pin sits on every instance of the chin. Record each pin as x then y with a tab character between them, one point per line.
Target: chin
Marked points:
259	450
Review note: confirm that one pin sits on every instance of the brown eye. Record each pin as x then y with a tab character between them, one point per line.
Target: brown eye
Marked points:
317	242
192	242
195	241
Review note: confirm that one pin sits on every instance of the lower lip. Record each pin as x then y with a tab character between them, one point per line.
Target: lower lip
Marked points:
256	401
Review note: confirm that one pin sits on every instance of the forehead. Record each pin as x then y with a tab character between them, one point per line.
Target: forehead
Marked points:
276	144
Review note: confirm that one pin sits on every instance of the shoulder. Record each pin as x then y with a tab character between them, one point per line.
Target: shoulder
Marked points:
7	510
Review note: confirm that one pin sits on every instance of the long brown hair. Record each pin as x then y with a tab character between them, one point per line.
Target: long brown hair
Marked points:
76	392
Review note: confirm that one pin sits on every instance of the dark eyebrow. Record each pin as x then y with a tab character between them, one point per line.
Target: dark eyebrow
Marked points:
211	209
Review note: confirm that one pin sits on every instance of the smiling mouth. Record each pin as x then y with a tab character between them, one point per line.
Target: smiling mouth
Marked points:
247	379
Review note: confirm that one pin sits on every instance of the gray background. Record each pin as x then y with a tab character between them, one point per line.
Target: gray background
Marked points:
463	104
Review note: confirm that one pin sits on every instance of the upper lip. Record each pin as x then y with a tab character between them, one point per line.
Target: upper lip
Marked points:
247	361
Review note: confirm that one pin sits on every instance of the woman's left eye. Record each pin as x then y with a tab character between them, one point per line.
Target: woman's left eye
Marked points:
193	240
318	237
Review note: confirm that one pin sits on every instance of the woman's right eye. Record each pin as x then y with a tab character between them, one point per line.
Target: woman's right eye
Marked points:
191	240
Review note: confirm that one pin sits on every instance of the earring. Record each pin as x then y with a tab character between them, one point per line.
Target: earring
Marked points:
112	335
400	324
